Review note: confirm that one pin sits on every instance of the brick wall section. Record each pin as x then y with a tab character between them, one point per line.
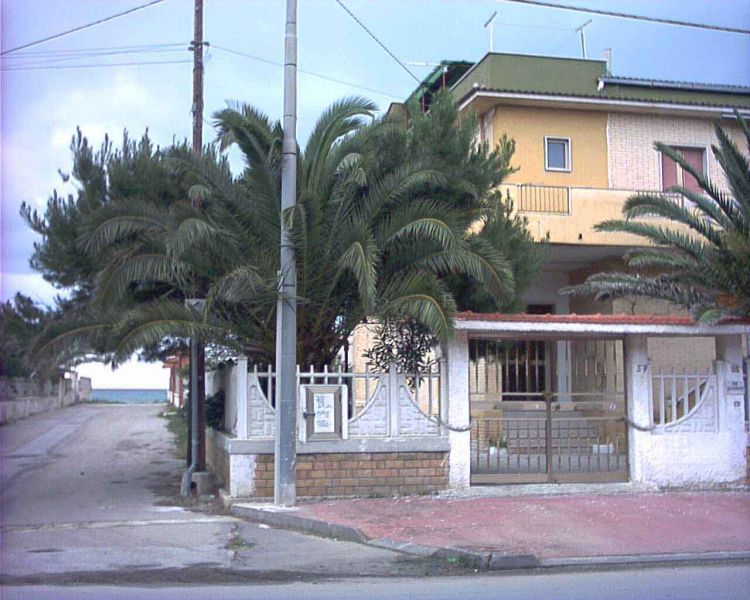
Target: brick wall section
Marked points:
364	475
633	162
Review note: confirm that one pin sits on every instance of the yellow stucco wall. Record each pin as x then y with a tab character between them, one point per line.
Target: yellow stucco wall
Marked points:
587	207
529	125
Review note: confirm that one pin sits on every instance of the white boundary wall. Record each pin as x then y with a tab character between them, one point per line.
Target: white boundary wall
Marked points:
679	458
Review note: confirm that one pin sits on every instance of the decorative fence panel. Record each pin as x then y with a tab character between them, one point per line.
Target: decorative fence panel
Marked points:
391	404
685	402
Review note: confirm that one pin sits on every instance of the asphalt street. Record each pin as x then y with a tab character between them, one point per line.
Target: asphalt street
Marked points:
89	510
89	495
701	583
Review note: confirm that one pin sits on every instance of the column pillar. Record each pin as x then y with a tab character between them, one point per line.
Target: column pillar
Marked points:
457	352
730	383
639	407
562	355
240	375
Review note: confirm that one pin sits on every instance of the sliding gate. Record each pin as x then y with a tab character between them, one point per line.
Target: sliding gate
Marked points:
547	411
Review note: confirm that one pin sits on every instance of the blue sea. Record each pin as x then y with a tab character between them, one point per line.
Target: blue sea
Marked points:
129	396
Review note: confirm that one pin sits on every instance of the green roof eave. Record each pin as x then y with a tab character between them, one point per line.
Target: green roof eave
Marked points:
586	78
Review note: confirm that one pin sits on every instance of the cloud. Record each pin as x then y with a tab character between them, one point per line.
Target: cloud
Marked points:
29	284
130	375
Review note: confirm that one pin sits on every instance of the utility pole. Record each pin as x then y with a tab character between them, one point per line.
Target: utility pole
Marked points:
198	354
582	31
285	446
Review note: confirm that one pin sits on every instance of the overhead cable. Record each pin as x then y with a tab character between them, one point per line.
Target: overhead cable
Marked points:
381	44
80	28
306	72
93	65
620	15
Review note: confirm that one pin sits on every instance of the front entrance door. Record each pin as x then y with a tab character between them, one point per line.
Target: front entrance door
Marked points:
525	429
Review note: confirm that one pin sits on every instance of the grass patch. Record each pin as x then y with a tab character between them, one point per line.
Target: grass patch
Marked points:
177	426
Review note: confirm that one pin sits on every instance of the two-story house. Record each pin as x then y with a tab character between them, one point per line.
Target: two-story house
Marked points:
584	144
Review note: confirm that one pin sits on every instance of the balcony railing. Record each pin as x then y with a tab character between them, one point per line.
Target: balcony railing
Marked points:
569	215
551	199
542	199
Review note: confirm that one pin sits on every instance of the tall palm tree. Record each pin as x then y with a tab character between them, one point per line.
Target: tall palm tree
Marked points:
703	262
372	239
380	227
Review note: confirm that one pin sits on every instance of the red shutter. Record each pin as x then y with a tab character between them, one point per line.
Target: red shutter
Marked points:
694	157
668	173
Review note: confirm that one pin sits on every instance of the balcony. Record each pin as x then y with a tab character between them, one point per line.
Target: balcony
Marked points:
567	215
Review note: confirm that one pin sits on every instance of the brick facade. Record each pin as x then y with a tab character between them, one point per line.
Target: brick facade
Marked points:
364	475
634	164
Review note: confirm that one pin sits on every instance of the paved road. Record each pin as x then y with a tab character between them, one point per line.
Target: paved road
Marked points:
703	583
89	496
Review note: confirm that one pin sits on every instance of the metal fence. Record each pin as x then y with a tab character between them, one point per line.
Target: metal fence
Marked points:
684	400
543	199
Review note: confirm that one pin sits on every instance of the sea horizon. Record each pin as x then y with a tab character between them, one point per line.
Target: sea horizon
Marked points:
129	395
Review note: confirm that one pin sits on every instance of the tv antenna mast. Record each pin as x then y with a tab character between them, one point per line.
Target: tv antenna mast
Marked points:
582	31
490	27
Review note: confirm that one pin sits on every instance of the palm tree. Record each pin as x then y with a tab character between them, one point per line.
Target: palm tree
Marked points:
373	230
381	230
704	261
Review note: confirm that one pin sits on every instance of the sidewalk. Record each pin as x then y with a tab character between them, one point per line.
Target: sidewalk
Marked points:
505	532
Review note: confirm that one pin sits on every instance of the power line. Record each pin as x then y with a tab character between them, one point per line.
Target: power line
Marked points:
381	44
80	27
94	65
619	15
306	72
526	26
67	59
95	50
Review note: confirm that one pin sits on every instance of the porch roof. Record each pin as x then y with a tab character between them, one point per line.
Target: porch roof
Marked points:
573	325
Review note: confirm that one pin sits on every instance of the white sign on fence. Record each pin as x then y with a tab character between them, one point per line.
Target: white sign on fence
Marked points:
325	413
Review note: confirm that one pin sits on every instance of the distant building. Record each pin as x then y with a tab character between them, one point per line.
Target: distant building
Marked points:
178	365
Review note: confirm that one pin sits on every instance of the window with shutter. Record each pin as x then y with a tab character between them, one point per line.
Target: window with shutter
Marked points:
673	174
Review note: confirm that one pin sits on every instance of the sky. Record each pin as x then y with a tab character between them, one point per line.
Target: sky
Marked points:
41	108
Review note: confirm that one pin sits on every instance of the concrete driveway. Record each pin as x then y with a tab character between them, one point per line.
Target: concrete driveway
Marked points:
89	494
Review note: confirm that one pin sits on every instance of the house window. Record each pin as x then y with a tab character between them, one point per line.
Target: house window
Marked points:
673	174
557	154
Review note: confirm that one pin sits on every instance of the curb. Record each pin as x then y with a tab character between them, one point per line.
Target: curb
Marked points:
285	518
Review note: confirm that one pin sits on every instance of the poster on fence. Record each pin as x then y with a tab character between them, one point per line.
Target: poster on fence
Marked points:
322	412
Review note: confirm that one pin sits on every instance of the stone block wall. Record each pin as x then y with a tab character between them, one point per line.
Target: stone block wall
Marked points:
217	458
21	398
361	474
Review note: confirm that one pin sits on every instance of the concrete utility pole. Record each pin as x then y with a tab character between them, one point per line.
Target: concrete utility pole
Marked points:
285	448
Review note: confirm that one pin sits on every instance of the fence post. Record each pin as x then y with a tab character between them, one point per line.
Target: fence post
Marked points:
240	375
443	398
730	384
638	399
393	394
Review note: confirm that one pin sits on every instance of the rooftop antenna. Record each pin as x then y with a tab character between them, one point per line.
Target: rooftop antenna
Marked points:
607	54
489	26
582	31
442	65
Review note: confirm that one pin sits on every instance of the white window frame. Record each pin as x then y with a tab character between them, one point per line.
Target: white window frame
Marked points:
569	163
